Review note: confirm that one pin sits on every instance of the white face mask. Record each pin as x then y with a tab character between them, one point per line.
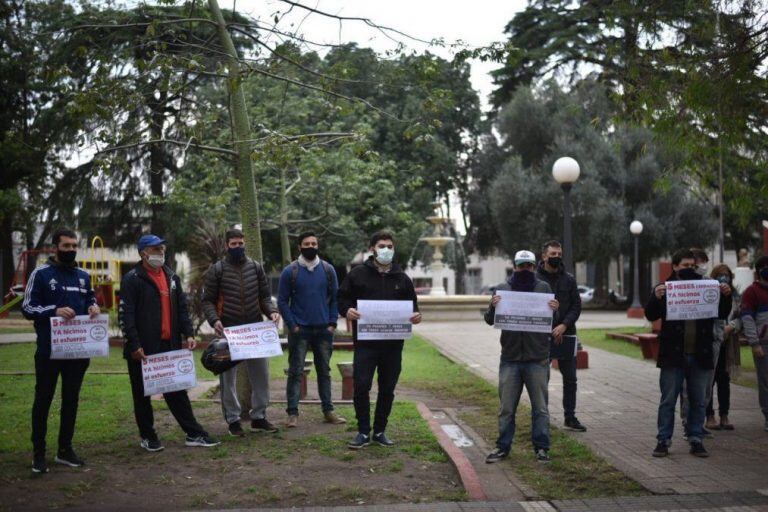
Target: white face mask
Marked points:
385	255
155	260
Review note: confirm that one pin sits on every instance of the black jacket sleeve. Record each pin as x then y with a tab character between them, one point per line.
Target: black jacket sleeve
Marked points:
211	295
655	307
726	305
185	322
574	312
346	297
412	294
489	315
127	312
265	293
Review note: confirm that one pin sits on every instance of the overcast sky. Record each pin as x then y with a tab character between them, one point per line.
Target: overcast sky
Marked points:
477	23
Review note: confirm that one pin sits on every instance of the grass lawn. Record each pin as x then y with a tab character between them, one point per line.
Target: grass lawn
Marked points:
16	330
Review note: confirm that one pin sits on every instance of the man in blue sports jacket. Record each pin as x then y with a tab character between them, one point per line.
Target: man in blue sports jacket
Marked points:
58	288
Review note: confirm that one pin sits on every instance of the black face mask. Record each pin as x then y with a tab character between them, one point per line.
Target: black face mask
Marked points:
309	253
237	254
554	262
763	273
688	274
724	279
522	281
67	257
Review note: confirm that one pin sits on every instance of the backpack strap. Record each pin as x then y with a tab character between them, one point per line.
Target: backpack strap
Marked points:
218	272
327	267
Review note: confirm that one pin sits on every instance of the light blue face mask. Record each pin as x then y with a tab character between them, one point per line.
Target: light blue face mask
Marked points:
385	255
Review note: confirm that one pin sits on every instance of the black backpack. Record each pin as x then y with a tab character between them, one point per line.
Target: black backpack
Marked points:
215	359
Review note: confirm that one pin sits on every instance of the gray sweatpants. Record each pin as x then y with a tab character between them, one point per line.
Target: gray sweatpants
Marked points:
761	368
258	374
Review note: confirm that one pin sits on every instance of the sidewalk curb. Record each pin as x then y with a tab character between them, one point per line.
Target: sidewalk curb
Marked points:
469	478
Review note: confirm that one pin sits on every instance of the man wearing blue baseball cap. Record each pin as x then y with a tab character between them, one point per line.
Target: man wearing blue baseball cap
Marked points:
154	319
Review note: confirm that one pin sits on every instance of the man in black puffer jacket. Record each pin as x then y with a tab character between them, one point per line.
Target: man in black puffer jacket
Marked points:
552	271
685	354
237	293
154	319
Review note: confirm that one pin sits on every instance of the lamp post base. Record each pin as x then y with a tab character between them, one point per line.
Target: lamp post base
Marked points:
636	312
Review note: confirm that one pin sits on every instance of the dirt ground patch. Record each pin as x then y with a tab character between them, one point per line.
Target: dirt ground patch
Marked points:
309	465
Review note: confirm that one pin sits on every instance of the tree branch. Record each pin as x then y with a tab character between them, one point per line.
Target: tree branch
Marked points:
186	145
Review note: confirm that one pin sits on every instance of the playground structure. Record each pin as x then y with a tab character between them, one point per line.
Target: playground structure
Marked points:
104	274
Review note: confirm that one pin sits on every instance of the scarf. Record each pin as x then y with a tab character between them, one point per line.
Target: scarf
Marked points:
309	265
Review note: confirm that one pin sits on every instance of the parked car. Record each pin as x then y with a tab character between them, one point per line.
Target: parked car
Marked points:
586	293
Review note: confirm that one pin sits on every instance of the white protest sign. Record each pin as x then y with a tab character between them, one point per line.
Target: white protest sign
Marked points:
168	372
253	341
523	311
384	319
692	300
82	337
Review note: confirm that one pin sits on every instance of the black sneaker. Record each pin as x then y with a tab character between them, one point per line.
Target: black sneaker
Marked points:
574	424
360	441
263	425
661	450
152	445
235	429
496	455
38	464
203	440
542	455
698	450
382	439
68	457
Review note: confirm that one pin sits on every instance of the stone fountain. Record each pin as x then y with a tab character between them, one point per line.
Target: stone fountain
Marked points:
437	240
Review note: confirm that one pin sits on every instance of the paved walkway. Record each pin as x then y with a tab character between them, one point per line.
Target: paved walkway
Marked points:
725	502
617	401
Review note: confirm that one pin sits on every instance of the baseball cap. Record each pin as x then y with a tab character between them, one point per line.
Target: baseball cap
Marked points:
524	257
149	241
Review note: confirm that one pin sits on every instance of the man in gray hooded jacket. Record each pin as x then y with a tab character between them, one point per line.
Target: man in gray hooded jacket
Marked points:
524	361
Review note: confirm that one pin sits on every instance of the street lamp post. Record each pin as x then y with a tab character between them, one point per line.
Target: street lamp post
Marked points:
566	171
636	228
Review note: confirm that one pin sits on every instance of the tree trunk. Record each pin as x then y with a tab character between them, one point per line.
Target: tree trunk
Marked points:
285	243
6	254
241	132
601	271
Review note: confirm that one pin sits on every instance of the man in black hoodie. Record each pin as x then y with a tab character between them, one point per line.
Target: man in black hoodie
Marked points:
552	271
685	355
376	279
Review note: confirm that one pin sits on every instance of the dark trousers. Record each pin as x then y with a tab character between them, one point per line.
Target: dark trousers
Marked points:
386	357
47	373
723	383
568	371
178	402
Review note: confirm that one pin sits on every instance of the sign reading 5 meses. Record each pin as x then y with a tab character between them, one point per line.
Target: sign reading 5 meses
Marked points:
692	300
253	341
168	372
82	337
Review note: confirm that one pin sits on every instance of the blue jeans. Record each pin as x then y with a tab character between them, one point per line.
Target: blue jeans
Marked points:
320	339
535	376
671	381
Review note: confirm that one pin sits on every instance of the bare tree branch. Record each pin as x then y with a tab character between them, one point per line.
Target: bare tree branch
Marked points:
187	144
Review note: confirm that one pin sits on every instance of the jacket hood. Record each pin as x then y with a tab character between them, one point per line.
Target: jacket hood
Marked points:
560	268
66	266
395	269
139	268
